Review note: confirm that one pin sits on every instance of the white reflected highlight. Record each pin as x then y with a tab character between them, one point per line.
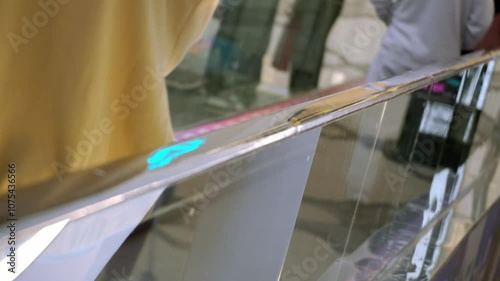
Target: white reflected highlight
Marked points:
31	249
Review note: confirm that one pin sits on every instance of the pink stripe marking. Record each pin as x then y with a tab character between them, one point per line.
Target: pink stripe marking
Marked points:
206	128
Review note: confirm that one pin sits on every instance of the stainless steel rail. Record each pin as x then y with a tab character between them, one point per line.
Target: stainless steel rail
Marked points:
94	190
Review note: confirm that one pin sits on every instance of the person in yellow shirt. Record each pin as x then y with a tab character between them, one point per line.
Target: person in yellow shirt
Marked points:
82	81
82	85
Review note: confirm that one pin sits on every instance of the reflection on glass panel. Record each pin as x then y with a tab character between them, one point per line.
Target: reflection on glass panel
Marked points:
388	178
468	259
232	223
336	215
466	115
378	195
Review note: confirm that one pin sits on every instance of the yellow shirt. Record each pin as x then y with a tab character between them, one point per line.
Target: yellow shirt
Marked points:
82	81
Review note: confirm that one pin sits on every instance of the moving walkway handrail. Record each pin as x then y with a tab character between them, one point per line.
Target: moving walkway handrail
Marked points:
100	188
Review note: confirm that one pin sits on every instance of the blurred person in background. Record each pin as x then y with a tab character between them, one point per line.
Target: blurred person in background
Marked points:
82	81
235	58
424	32
302	46
492	38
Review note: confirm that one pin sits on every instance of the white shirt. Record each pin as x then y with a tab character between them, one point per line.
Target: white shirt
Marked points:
422	32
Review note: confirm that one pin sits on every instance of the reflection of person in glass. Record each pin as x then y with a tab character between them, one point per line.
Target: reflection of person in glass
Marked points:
427	31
